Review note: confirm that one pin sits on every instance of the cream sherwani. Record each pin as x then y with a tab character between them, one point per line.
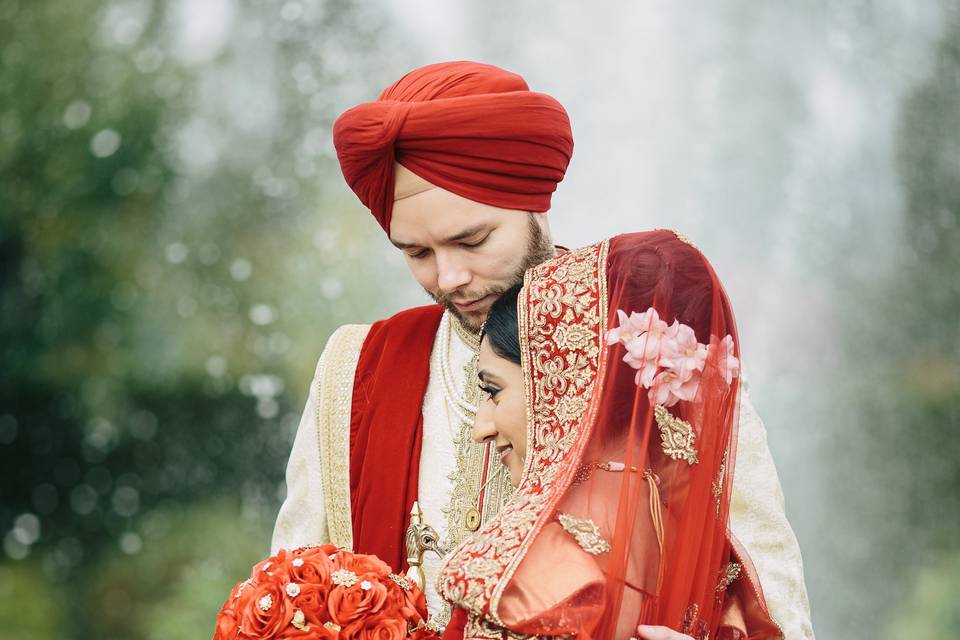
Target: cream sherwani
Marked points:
317	506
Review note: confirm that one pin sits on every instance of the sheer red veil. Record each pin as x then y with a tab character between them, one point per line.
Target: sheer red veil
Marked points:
630	360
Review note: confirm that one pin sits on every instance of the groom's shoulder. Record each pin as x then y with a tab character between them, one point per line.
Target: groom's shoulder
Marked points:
410	328
417	321
413	316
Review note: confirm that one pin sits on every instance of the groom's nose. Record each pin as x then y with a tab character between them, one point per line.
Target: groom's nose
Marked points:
452	272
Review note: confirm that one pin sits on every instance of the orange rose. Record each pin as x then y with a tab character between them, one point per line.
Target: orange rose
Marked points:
266	613
227	623
228	620
312	566
390	629
361	564
312	632
418	600
312	600
348	604
403	603
264	571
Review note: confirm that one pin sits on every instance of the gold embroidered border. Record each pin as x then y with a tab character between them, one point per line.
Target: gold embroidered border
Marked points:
561	341
717	485
477	628
334	398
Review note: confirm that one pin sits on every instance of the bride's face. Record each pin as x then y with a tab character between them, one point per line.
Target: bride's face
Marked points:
502	414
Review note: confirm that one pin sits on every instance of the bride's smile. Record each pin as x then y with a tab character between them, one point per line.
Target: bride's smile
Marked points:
502	414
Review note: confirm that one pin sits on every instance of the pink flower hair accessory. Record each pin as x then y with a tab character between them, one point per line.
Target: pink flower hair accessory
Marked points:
668	358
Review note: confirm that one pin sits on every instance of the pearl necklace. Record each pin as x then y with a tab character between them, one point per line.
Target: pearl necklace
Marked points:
464	410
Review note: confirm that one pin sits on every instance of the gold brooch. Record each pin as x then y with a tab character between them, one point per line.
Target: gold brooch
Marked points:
676	435
586	532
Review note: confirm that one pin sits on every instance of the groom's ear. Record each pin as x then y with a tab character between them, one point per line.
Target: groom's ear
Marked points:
543	221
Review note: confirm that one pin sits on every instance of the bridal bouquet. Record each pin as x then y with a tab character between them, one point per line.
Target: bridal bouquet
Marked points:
323	592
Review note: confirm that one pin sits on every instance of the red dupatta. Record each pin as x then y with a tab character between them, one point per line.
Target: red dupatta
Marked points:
386	430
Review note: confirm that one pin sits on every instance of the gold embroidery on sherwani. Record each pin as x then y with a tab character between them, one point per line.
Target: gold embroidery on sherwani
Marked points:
676	435
472	464
573	296
334	399
586	532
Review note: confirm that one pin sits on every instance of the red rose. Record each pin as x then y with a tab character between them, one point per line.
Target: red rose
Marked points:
347	604
361	564
311	599
311	567
227	623
266	613
403	603
228	620
272	566
311	632
388	629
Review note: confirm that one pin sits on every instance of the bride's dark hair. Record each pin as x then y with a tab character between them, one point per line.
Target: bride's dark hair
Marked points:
501	325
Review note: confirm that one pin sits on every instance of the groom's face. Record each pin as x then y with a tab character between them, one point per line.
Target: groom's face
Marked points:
464	253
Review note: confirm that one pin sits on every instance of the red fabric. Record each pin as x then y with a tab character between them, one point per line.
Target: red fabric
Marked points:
386	430
608	334
473	129
455	628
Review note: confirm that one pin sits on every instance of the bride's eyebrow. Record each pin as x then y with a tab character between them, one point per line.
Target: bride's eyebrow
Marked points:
486	376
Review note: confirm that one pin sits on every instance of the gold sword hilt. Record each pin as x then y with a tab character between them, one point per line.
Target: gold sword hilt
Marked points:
420	537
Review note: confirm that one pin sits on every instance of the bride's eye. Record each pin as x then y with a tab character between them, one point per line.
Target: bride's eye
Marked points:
490	391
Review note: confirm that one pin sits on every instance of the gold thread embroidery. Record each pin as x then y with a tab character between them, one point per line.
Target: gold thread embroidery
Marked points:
729	573
682	237
690	618
717	486
461	512
469	338
676	435
334	399
567	290
477	628
586	532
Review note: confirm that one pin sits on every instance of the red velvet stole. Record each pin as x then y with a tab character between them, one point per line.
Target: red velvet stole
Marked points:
386	430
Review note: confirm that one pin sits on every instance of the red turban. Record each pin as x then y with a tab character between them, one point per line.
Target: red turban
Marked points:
473	129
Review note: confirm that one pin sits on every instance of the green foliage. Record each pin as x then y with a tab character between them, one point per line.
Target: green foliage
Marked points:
29	604
172	260
930	611
174	586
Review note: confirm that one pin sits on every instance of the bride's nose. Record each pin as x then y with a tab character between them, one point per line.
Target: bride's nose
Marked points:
483	426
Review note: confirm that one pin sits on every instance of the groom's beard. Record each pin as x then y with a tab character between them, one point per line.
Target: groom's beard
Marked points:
539	250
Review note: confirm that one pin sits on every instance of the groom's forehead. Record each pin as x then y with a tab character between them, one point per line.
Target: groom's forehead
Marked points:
439	217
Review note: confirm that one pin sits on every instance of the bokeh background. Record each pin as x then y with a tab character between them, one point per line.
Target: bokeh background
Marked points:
176	244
